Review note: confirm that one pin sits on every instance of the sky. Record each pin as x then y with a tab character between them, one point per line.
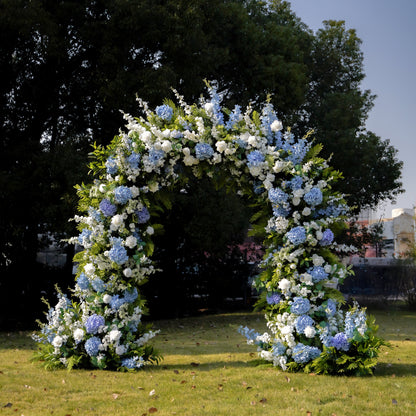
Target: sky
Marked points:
387	29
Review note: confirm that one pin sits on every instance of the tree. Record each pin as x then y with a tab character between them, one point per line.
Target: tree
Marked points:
336	108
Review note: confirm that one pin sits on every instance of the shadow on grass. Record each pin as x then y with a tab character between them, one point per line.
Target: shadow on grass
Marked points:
214	365
395	370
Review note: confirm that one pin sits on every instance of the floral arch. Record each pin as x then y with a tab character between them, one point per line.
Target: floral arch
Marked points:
299	214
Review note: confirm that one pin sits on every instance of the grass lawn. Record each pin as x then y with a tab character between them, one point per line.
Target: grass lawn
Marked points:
209	370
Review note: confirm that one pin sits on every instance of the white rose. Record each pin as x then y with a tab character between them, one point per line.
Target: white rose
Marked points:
209	107
150	230
284	285
317	260
278	166
306	211
101	188
276	125
154	187
252	140
115	335
131	241
306	278
221	146
286	330
166	146
57	341
117	220
127	272
296	201
107	298
89	269
328	268
319	235
79	334
146	136
310	332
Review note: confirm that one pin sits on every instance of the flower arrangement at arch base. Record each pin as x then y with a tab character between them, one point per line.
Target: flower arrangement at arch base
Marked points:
299	215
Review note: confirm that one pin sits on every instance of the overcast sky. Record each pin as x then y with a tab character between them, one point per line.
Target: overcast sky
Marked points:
388	31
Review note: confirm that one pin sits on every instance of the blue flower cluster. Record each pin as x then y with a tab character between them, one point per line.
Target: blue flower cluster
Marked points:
340	341
300	305
278	349
118	253
92	346
313	197
93	323
281	212
143	215
295	183
234	117
107	208
111	166
203	151
297	151
296	235
164	111
85	237
98	285
134	160
122	194
255	158
216	102
353	320
130	295
330	307
327	238
117	301
302	322
83	282
155	155
277	196
304	353
268	116
273	298
133	362
318	273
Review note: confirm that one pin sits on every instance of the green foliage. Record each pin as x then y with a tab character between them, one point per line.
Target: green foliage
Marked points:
359	360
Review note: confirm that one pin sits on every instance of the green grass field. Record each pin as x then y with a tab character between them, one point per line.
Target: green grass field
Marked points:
209	370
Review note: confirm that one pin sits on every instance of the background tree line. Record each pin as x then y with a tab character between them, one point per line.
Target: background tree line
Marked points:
68	67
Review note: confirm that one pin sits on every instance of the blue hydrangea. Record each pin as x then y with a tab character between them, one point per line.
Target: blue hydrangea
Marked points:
277	196
313	197
318	273
83	282
84	237
118	254
296	235
116	302
296	183
300	305
273	298
327	238
93	323
234	117
353	320
130	295
302	322
107	208
281	212
241	143
134	160
111	166
133	362
255	158
176	134
278	349
122	194
330	307
155	155
304	353
203	151
340	341
164	111
98	285
94	214
92	346
143	215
